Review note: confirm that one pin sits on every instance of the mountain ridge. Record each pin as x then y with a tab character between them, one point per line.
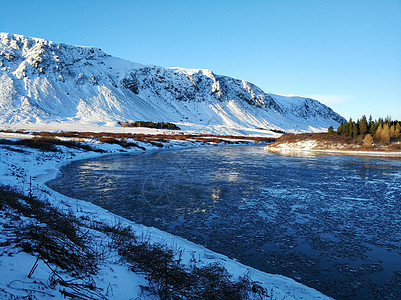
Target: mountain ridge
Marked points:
42	81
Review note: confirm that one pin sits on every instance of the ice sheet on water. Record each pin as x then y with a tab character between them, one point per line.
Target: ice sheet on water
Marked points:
315	219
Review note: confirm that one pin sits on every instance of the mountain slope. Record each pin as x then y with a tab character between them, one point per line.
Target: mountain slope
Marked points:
42	82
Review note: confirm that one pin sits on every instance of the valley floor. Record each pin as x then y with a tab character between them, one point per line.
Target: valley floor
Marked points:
24	169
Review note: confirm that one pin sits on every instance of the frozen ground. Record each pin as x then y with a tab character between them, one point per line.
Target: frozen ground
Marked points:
27	169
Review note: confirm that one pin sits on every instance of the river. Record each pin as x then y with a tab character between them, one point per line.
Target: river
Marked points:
330	222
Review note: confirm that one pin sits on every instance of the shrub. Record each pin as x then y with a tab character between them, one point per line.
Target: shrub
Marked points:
55	236
44	144
170	279
157	125
47	144
368	141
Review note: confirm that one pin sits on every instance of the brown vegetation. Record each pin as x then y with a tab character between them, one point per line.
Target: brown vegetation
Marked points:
53	235
320	137
379	134
157	125
62	239
129	139
327	141
169	278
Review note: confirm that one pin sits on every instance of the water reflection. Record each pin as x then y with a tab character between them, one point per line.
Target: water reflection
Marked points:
331	222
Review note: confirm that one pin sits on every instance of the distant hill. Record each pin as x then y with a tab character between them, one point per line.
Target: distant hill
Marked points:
42	81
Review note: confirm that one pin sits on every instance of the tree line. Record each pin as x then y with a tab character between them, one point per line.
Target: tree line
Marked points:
381	131
156	125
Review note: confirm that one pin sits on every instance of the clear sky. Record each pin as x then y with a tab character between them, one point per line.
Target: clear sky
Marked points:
345	53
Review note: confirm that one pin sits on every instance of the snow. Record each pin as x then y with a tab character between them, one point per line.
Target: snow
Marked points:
45	82
114	277
302	145
46	86
186	71
310	145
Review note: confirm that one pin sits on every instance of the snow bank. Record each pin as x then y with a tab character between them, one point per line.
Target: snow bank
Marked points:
309	146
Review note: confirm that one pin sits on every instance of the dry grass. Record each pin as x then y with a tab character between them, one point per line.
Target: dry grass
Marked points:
62	239
326	141
124	138
52	234
319	137
47	144
170	279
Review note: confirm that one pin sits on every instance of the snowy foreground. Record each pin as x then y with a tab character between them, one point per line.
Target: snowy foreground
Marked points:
27	169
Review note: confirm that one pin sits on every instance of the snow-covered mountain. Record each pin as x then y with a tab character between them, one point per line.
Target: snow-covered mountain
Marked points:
42	81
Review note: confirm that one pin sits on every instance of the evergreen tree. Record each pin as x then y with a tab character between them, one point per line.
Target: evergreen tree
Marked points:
349	128
342	128
331	130
353	130
373	128
382	131
363	125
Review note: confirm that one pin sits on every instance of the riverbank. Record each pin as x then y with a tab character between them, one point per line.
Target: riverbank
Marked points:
290	149
331	145
24	170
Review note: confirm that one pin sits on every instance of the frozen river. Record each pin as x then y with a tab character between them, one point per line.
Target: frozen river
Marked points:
330	222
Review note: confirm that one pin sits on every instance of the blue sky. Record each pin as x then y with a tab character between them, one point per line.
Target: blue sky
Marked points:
346	54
